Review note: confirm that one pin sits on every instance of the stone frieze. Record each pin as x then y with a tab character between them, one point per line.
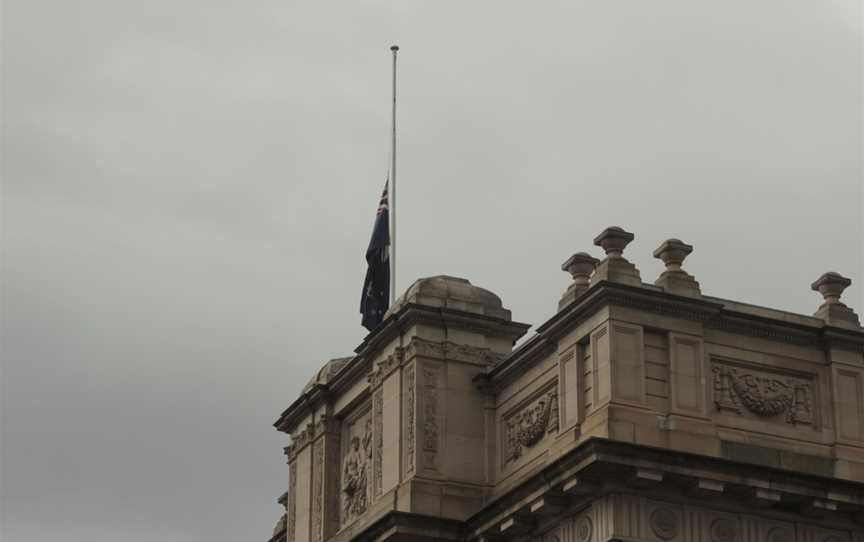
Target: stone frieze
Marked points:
451	351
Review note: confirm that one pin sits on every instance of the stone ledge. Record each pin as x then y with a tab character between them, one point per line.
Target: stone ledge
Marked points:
781	459
607	467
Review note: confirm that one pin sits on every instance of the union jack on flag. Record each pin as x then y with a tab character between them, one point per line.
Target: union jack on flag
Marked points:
375	298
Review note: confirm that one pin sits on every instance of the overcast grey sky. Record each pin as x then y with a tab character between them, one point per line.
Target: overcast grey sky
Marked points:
189	188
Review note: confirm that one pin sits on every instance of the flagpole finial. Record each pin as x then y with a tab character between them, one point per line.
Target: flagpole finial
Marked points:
394	48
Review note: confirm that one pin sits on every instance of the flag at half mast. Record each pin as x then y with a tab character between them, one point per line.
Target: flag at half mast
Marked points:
376	288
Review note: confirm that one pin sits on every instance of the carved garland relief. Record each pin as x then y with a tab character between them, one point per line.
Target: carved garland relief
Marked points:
763	394
527	426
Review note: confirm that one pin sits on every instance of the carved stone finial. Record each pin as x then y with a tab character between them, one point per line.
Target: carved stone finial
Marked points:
833	311
580	266
614	268
614	240
831	286
673	252
675	280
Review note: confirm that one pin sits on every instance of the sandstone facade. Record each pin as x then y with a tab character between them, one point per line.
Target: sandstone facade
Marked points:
639	412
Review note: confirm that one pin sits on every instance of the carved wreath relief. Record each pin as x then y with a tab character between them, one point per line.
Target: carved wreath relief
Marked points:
584	529
723	530
664	523
356	467
763	394
530	424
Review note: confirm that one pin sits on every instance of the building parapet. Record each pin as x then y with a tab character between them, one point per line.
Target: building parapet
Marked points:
653	398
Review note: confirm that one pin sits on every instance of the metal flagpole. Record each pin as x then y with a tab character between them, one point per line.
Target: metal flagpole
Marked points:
392	205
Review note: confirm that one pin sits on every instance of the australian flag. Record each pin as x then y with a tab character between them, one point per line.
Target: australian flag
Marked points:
376	287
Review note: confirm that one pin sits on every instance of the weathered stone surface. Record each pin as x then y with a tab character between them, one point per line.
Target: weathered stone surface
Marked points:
632	414
453	293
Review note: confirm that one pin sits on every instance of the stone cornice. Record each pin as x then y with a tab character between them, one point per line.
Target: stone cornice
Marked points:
279	533
355	369
406	526
412	314
450	351
711	312
385	367
312	431
299	440
501	374
359	366
300	408
604	466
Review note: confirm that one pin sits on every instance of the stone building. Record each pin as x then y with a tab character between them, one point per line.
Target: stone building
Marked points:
637	413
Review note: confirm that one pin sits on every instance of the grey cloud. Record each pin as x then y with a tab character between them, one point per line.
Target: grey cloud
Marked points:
188	189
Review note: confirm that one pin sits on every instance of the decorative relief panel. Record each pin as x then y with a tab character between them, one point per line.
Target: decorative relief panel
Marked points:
583	529
299	440
410	400
292	501
451	351
632	518
317	489
528	424
385	367
665	523
356	468
724	530
378	432
763	394
430	415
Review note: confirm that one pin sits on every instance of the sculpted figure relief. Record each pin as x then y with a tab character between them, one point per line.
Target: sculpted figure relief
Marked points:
355	474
